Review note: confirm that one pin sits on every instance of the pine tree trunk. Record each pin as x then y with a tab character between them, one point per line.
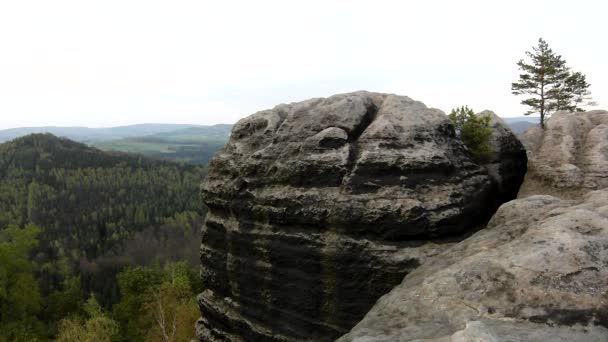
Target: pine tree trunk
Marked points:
542	101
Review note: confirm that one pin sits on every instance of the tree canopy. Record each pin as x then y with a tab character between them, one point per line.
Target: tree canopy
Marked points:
20	299
72	218
549	83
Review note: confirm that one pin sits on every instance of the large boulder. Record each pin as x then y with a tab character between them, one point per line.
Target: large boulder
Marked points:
507	163
318	208
569	157
538	272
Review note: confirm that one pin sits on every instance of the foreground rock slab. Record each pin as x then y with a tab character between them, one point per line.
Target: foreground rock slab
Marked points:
538	272
569	157
318	208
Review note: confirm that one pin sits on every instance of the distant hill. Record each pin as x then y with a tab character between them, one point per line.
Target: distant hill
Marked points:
532	119
521	123
194	144
201	133
86	133
518	127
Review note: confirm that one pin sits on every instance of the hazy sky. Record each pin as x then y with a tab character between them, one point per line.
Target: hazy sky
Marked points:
105	63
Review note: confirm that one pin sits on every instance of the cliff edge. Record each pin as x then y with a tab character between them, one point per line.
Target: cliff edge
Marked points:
318	208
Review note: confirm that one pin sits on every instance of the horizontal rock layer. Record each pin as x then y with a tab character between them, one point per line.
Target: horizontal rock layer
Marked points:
538	272
318	208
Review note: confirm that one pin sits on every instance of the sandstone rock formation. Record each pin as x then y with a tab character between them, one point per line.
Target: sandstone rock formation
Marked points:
508	162
538	272
569	157
318	208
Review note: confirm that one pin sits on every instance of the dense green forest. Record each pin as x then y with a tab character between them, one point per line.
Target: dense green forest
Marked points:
92	243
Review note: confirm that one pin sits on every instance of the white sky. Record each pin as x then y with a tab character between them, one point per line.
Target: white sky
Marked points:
107	63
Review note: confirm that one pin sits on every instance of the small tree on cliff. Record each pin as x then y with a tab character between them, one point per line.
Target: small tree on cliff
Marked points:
474	131
550	84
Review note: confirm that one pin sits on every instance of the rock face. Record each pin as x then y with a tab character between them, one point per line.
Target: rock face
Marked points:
569	157
508	162
318	208
538	272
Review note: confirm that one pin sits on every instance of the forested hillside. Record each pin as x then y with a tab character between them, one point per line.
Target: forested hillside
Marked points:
72	218
194	144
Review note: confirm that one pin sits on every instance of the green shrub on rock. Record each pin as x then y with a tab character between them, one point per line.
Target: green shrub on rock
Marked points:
474	131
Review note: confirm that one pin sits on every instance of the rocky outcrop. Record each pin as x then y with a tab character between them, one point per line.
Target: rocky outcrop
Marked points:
507	163
318	208
569	157
538	272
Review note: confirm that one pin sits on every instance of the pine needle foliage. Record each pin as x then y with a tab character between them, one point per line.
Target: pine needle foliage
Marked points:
474	131
549	84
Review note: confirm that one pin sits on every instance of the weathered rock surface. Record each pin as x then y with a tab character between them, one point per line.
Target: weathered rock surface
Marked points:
507	163
568	158
538	272
318	208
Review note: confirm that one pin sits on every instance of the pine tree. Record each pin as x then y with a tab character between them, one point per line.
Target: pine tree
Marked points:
550	83
541	79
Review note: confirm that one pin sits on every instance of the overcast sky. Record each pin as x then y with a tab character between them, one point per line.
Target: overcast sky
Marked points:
107	63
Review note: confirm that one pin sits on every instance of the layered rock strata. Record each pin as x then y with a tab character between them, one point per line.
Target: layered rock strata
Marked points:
318	208
538	272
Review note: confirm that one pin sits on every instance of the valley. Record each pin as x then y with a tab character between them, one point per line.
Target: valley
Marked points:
93	224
